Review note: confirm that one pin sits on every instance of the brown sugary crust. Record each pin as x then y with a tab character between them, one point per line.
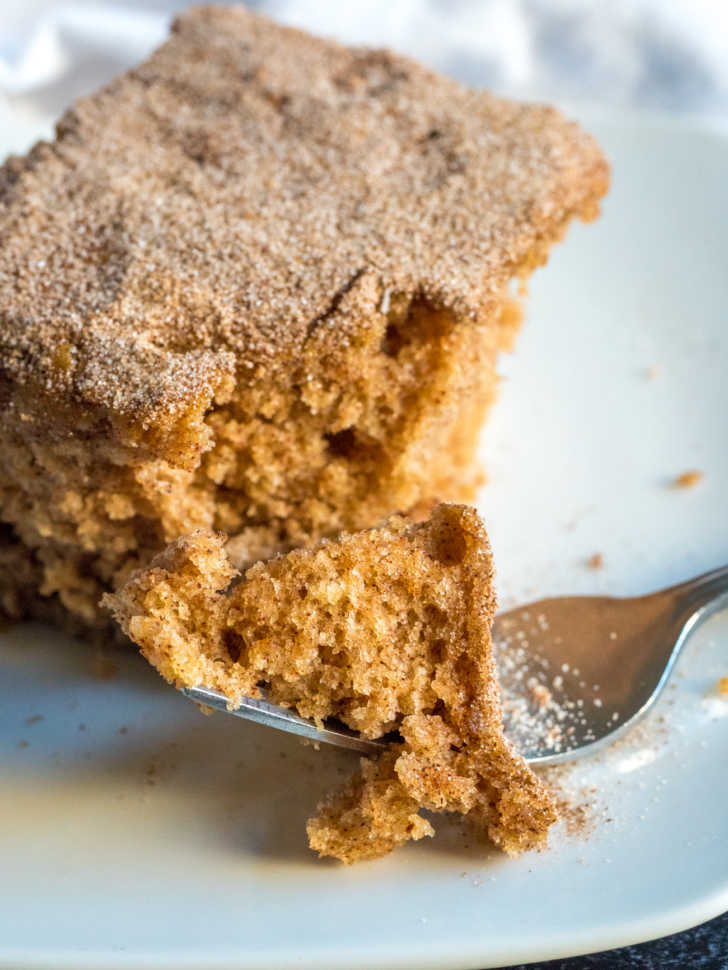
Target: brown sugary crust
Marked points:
250	186
387	629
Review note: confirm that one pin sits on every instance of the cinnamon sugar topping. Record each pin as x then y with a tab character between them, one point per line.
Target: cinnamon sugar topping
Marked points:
250	185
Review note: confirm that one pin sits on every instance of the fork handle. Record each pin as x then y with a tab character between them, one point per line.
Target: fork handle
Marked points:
695	600
704	590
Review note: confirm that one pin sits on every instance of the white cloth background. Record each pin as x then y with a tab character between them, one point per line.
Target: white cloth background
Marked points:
665	55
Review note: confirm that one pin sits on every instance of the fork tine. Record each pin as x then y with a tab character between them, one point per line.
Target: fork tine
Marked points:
271	715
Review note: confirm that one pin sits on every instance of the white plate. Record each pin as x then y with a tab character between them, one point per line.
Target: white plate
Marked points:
181	844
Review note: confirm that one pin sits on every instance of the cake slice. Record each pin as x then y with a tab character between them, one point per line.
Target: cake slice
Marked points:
385	630
259	284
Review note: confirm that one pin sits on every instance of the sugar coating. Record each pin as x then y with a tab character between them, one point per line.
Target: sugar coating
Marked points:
387	629
206	212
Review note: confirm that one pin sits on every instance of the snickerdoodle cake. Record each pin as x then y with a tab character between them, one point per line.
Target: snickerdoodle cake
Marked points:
385	630
258	284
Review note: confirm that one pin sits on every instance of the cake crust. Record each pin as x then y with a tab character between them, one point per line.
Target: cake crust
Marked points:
250	186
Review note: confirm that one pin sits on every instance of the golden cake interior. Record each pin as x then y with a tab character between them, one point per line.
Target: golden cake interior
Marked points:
360	430
385	630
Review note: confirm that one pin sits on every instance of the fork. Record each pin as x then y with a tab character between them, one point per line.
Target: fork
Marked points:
576	672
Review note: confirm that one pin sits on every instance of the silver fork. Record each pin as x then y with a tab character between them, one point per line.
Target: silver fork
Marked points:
576	672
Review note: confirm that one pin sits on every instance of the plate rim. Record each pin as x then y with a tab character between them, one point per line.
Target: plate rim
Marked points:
384	957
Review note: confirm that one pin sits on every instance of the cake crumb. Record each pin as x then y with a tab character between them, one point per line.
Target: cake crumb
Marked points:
723	686
23	743
35	719
688	479
596	561
416	636
653	371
